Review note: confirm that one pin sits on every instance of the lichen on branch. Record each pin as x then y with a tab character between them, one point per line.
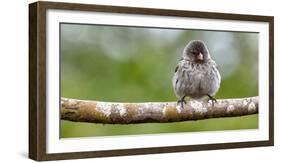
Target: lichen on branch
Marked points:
126	113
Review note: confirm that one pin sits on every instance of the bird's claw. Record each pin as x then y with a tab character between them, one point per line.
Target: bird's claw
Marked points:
212	99
182	102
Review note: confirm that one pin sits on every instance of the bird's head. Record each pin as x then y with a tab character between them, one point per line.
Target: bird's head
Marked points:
196	51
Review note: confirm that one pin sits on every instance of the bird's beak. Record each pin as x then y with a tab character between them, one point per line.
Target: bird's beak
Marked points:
200	57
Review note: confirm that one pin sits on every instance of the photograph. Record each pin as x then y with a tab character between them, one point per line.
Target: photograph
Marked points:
128	80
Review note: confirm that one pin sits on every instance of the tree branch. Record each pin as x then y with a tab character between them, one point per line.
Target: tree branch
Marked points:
125	113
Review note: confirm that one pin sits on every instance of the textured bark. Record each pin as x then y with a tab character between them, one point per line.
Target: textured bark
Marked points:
125	113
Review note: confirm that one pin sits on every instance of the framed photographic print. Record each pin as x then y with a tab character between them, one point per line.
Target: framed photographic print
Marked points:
111	81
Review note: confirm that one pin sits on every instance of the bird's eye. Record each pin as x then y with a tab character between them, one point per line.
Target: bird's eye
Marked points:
194	52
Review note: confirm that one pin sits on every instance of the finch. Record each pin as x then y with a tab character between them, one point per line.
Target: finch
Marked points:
196	74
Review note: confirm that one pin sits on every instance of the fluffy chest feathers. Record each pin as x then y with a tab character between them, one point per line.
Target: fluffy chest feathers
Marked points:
196	79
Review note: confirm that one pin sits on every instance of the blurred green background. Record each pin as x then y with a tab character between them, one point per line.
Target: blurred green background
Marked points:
130	64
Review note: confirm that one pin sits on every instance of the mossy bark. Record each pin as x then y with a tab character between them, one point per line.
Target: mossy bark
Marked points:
125	113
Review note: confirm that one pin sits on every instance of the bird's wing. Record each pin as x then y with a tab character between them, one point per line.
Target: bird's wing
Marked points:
177	68
215	64
217	67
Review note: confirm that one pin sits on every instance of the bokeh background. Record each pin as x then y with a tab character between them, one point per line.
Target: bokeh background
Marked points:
131	64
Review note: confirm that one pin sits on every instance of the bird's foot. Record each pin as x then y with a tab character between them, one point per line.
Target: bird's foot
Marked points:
212	99
182	102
